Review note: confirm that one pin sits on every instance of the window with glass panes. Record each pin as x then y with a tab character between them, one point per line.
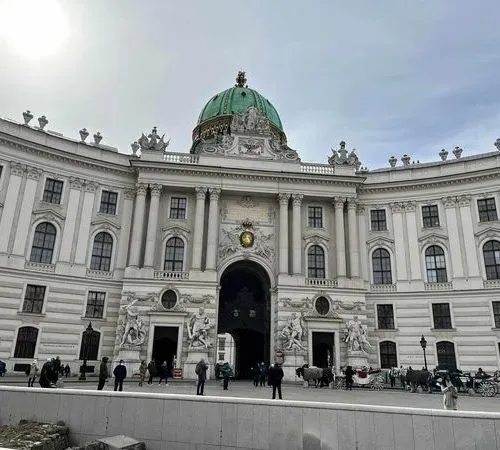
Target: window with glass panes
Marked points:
378	220
388	355
174	255
44	241
446	355
430	216
53	191
487	209
222	343
315	262
101	252
33	299
178	208
385	317
435	264
496	313
491	254
108	202
26	342
95	305
315	217
381	263
442	317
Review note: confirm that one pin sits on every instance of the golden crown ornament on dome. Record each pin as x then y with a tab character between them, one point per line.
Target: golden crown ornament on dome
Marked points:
247	237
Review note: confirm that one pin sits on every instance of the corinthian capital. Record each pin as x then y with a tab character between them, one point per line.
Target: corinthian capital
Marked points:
352	202
449	202
17	169
397	207
338	202
297	199
91	186
283	198
75	183
214	193
201	192
464	200
33	173
141	188
155	189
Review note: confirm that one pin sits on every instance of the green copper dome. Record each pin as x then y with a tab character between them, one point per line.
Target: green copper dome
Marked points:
237	99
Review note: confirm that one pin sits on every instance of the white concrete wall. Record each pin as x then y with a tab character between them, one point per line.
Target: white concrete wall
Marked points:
170	422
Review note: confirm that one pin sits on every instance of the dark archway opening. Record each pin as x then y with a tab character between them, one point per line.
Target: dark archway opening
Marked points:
244	312
165	346
323	344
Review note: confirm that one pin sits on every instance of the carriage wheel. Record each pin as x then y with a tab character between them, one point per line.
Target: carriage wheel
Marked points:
340	383
487	389
377	384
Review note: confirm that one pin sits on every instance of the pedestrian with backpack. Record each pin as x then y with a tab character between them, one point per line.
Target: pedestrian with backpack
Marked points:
201	371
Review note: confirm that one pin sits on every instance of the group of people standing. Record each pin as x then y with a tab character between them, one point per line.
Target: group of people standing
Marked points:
49	375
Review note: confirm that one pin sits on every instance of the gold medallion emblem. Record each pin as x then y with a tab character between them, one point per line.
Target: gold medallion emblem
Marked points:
246	237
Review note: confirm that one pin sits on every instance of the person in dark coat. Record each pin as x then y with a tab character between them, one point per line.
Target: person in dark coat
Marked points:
226	373
151	370
120	374
56	368
163	373
349	373
256	375
67	371
263	374
103	373
46	376
201	371
275	376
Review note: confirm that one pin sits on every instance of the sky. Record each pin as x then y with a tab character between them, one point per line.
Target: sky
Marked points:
389	77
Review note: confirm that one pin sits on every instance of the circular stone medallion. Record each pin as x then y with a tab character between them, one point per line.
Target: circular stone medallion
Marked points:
246	239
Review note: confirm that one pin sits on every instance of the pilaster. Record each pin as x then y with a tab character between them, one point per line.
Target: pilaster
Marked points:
450	208
297	233
283	233
213	227
353	237
338	204
149	253
468	236
399	240
9	209
68	235
138	225
83	232
199	217
412	241
126	225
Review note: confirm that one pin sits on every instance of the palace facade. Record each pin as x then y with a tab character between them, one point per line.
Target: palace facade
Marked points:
155	254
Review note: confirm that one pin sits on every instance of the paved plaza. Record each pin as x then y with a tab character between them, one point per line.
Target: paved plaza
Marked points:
245	389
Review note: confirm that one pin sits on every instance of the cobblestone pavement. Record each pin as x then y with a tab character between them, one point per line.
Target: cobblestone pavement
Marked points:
245	389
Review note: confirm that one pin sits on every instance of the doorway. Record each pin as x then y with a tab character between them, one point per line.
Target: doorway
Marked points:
244	312
323	344
165	346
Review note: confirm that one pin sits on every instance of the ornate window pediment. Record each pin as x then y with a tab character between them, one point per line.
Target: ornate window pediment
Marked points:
316	237
48	214
433	238
379	241
493	232
175	230
105	224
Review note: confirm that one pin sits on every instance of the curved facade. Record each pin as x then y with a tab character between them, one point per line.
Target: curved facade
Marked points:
155	254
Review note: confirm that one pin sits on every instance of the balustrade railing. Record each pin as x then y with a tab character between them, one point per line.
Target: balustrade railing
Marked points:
438	286
99	274
325	282
323	169
170	275
383	288
39	267
491	284
181	158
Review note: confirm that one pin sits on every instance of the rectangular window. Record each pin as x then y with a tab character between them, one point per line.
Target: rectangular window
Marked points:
221	356
178	208
430	216
222	344
33	299
108	202
315	217
487	210
385	315
496	314
53	191
95	305
442	317
378	221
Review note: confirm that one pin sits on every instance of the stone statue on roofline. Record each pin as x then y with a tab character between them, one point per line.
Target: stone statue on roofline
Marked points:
153	142
343	157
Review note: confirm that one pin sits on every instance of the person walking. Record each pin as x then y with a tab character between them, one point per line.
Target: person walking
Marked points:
201	371
263	374
67	371
142	372
450	394
392	376
103	373
256	375
33	373
163	373
226	373
275	376
120	374
349	373
151	370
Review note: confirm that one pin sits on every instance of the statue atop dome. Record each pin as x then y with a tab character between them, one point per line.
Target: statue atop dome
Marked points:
241	80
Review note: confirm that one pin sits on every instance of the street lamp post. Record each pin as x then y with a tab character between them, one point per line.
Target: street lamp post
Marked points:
423	344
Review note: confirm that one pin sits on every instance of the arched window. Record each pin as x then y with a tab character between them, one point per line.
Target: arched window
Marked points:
491	254
174	255
26	342
89	347
435	264
446	355
169	299
44	241
101	252
388	355
315	262
381	263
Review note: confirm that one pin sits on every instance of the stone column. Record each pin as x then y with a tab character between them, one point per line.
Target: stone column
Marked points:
399	241
82	247
363	254
469	242
24	222
283	233
68	235
340	236
213	228
126	225
138	226
450	205
199	219
9	209
352	224
149	254
297	234
412	241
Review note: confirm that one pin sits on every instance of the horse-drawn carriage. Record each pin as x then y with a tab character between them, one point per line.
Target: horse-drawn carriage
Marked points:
487	386
374	379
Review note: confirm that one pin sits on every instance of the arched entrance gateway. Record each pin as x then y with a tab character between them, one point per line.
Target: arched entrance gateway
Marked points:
244	312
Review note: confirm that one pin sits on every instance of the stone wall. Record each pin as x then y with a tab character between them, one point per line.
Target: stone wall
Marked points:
166	421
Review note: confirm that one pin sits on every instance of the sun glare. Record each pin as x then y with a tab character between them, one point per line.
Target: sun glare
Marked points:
33	28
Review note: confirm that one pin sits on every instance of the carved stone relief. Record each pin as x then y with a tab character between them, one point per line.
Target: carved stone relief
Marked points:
229	243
